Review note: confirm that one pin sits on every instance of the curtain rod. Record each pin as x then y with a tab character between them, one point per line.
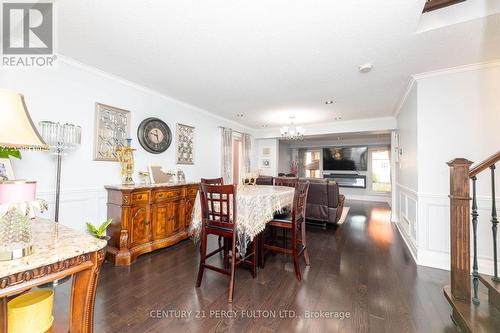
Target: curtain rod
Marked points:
232	129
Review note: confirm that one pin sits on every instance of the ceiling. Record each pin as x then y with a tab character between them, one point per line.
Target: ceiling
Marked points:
271	59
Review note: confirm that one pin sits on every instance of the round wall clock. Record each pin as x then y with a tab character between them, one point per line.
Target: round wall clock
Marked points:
154	135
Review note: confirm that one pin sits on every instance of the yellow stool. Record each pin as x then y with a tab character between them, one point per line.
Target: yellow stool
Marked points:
31	312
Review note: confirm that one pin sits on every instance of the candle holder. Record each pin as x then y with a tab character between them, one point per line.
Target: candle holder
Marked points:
126	157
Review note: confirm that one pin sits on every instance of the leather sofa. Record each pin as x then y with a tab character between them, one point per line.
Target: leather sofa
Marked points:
324	201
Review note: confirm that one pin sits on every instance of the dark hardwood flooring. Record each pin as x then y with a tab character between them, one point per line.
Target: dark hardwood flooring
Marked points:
360	269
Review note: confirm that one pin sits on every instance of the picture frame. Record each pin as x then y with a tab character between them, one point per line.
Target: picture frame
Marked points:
112	129
185	136
158	176
266	151
6	171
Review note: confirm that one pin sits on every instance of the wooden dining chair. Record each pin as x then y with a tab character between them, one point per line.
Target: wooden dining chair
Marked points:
214	181
219	217
289	182
295	222
286	181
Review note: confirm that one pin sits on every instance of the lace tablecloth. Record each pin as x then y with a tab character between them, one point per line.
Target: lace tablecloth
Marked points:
256	206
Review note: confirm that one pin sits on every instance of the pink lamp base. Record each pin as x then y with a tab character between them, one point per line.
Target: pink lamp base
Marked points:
16	191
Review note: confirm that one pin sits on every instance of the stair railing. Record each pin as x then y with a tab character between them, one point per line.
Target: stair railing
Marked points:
461	176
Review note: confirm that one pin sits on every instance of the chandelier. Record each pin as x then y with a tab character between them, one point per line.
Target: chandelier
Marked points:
292	132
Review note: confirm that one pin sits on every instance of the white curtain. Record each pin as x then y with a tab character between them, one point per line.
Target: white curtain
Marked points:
227	154
246	142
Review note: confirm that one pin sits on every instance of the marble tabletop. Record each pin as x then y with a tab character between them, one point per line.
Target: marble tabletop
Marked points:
147	186
52	243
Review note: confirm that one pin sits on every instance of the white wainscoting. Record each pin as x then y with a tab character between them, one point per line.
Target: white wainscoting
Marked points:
407	217
434	232
77	206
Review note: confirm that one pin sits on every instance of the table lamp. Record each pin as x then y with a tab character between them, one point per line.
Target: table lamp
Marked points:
17	197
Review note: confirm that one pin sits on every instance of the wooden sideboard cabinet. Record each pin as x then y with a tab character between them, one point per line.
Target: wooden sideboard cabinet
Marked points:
147	217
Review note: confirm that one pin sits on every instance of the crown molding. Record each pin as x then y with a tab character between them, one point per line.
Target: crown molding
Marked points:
458	69
94	70
445	71
409	87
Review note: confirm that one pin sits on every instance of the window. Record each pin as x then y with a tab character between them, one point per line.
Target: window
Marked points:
381	171
312	164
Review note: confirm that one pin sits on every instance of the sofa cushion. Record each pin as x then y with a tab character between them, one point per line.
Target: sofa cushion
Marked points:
264	180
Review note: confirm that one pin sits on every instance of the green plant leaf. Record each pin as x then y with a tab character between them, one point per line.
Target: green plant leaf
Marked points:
6	152
91	229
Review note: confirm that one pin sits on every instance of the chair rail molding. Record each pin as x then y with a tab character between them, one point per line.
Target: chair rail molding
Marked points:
90	203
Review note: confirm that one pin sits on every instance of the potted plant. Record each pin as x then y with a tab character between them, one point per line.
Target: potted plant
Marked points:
99	231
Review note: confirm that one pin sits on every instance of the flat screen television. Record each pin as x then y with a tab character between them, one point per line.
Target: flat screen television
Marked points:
345	159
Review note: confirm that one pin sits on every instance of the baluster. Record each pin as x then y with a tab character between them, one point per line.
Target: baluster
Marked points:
494	222
475	274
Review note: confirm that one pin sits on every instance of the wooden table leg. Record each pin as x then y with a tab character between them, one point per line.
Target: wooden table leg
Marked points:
81	317
3	315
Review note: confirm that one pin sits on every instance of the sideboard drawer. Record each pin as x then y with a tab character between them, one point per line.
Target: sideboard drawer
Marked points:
168	195
138	197
191	191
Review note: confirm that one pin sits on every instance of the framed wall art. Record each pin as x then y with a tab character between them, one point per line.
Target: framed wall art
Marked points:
185	144
112	128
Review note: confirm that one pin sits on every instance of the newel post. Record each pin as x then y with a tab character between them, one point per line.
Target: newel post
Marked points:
460	228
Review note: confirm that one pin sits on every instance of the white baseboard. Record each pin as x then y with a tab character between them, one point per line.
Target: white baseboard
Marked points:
367	197
442	260
408	243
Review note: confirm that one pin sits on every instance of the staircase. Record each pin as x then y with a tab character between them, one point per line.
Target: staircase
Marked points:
476	308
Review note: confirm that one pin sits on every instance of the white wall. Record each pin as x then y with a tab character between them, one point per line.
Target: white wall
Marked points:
284	157
406	186
273	147
68	93
407	129
458	116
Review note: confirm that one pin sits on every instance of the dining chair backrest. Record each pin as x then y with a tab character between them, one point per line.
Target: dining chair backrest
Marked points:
299	203
218	205
213	181
286	181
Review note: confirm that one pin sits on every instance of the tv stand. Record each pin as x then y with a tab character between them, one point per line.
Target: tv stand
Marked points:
347	180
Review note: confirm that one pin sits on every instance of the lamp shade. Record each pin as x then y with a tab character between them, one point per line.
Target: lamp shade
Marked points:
16	128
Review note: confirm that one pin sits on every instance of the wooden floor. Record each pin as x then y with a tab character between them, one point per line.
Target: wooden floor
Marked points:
360	271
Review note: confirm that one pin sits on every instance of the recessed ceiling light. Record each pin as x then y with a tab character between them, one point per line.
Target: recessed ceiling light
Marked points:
240	115
329	102
365	68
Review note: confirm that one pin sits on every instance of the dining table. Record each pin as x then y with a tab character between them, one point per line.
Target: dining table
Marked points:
256	206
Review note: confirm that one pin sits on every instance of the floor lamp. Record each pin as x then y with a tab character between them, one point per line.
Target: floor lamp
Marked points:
61	139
